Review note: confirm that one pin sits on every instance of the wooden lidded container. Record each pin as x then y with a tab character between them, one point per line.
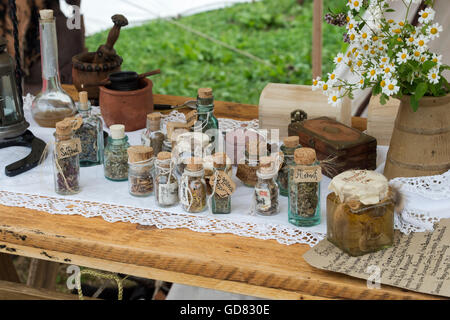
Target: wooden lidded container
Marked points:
332	139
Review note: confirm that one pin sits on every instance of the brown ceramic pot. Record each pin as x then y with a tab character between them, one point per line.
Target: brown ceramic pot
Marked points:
129	108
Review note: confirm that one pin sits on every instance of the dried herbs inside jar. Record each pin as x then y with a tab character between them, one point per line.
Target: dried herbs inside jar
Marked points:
140	170
360	212
153	136
66	164
288	149
246	171
193	187
222	185
116	157
304	189
166	183
266	189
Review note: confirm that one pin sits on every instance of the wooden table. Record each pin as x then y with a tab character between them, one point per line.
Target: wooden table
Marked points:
262	268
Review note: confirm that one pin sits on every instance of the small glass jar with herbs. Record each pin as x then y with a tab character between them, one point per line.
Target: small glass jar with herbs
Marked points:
222	185
266	202
290	144
304	189
166	182
360	212
193	186
206	121
153	136
140	171
116	156
66	160
246	172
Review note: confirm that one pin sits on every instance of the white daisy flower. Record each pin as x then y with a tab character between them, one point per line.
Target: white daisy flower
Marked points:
317	84
332	79
352	24
426	16
339	59
334	98
355	4
437	59
360	83
416	54
388	71
421	43
433	76
402	56
373	74
434	30
391	87
325	88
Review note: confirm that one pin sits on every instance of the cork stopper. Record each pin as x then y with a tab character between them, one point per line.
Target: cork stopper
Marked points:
139	153
291	142
220	159
64	127
117	131
205	93
46	14
360	186
84	101
305	156
194	164
154	116
164	155
266	164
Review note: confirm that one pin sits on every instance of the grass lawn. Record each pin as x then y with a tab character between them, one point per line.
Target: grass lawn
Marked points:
279	31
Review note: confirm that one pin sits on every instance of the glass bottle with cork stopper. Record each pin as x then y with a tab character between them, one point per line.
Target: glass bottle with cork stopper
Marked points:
166	183
140	171
153	136
193	186
290	144
52	104
90	133
66	163
304	189
220	203
206	121
116	156
266	189
247	171
360	212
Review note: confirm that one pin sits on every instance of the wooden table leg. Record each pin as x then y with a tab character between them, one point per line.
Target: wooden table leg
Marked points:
7	270
42	274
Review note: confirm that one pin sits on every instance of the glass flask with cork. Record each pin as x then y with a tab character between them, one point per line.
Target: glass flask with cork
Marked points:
193	186
153	136
140	171
220	203
304	189
52	104
206	121
66	161
360	212
290	144
166	182
266	189
116	157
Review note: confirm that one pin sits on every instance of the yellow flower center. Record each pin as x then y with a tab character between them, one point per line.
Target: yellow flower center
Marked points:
332	76
364	35
372	51
347	18
422	59
401	23
352	37
411	39
434	76
434	30
390	21
397	30
350	26
435	60
384	59
339	59
353	50
425	15
334	98
325	87
356	3
421	43
404	56
387	70
315	82
417	53
399	39
360	63
375	38
366	47
391	87
382	83
381	48
382	66
372	72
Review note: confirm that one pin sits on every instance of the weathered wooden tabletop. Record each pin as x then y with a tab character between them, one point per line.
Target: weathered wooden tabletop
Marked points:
262	268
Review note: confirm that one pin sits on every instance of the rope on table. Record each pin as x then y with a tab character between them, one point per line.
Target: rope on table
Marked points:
104	275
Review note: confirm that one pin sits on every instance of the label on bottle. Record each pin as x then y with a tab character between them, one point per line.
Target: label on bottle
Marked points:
263	201
168	193
225	186
307	174
68	148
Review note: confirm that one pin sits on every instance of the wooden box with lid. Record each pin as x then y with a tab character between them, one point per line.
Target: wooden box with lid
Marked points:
345	147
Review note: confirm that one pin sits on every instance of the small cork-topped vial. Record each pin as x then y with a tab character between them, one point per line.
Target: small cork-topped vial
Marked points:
266	189
206	121
140	170
153	136
304	189
360	212
116	156
46	14
166	183
219	205
193	186
290	144
66	160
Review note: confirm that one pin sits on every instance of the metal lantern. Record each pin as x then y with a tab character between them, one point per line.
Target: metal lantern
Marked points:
12	121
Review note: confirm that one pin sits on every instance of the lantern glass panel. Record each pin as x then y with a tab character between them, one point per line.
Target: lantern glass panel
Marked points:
10	110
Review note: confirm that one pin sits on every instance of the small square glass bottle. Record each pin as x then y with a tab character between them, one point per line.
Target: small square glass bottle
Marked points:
290	144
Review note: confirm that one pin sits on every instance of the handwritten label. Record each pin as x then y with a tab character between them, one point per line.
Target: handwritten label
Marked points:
225	186
263	199
68	148
307	174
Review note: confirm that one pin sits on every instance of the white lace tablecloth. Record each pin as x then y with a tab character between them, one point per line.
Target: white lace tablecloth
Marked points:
111	201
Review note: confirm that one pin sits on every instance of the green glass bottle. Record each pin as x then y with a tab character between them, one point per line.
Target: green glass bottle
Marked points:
288	149
220	205
206	121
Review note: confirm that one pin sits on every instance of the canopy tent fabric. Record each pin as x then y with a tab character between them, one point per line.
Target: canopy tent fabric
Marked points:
97	14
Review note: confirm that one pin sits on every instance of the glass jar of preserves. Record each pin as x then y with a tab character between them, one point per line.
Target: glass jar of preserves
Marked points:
166	183
140	171
193	187
360	212
304	189
290	144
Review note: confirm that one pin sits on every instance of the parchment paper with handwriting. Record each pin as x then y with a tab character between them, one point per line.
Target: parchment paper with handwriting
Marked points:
418	261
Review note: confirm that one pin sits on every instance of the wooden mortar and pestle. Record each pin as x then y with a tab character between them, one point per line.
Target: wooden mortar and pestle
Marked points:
90	68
